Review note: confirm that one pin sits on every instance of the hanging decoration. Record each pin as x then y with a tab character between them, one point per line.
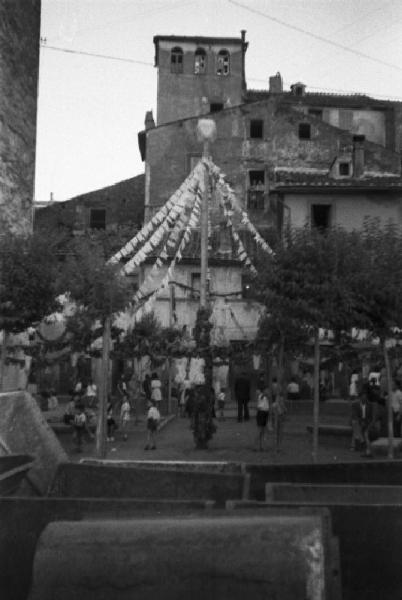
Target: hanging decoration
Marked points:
229	197
170	210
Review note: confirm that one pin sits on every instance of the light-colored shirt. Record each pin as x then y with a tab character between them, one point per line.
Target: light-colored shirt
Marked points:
263	403
153	413
396	400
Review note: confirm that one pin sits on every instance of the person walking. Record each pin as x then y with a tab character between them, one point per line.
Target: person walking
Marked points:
153	418
156	390
396	401
80	426
365	417
125	415
110	423
221	404
262	416
242	395
91	394
279	413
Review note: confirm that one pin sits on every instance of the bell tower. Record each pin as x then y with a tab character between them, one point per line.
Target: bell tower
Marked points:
198	75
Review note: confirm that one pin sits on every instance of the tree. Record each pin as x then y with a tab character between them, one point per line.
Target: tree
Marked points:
307	286
378	290
99	291
28	265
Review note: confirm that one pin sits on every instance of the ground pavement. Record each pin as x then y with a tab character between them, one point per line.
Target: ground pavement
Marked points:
233	442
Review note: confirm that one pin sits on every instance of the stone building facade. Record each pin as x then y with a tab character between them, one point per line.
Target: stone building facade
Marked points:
19	69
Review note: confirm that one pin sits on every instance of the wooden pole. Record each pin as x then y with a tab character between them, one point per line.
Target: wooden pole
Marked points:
101	427
204	232
3	356
390	415
316	407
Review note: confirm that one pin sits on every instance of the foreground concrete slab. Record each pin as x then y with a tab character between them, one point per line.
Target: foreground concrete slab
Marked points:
234	557
23	430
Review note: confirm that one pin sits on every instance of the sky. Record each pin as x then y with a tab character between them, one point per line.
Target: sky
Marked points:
91	108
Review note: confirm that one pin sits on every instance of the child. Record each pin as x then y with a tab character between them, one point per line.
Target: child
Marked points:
68	417
221	404
110	423
262	415
80	422
125	415
153	418
279	412
53	402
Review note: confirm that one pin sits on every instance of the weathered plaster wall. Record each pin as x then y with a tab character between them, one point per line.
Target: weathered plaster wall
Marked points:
172	148
19	66
348	211
180	95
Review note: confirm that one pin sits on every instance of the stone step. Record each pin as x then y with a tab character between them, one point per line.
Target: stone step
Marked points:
330	429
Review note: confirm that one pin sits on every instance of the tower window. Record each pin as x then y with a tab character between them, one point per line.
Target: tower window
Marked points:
304	131
216	106
344	168
97	218
200	61
176	60
223	63
321	216
256	128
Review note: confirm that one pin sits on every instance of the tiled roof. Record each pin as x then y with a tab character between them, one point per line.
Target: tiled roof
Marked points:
299	178
319	99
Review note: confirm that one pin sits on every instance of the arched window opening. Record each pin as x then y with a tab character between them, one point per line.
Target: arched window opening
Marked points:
200	61
223	63
176	60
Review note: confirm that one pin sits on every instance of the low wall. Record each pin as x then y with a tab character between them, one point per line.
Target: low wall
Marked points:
370	545
301	493
369	473
22	520
100	481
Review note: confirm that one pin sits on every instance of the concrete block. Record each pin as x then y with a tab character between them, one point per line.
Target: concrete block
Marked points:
23	430
219	557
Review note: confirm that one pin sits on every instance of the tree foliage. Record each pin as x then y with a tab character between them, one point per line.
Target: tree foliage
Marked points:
28	267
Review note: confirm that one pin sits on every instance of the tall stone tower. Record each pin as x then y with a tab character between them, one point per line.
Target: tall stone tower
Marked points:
19	68
197	75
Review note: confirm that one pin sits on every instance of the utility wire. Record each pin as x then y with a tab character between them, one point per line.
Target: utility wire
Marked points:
315	36
148	64
106	56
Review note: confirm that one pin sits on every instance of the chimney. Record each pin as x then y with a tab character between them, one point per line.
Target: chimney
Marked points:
358	155
276	84
149	120
298	89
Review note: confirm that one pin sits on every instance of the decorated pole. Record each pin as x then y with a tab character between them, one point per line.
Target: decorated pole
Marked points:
206	132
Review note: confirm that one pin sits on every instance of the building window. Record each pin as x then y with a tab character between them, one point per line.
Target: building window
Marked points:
176	60
200	61
256	128
304	131
315	112
216	106
97	218
344	169
195	285
223	63
321	216
346	119
256	190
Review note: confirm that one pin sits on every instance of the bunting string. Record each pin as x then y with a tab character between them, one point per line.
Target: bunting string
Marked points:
170	208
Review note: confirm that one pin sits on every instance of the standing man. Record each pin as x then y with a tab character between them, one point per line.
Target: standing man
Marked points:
396	401
242	395
365	416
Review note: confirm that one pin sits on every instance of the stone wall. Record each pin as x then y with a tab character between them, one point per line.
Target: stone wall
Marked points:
19	68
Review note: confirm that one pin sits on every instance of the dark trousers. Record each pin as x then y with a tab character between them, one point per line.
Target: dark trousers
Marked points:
242	409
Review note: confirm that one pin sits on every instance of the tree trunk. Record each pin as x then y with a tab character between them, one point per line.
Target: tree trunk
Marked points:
281	367
101	426
3	356
389	402
316	404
